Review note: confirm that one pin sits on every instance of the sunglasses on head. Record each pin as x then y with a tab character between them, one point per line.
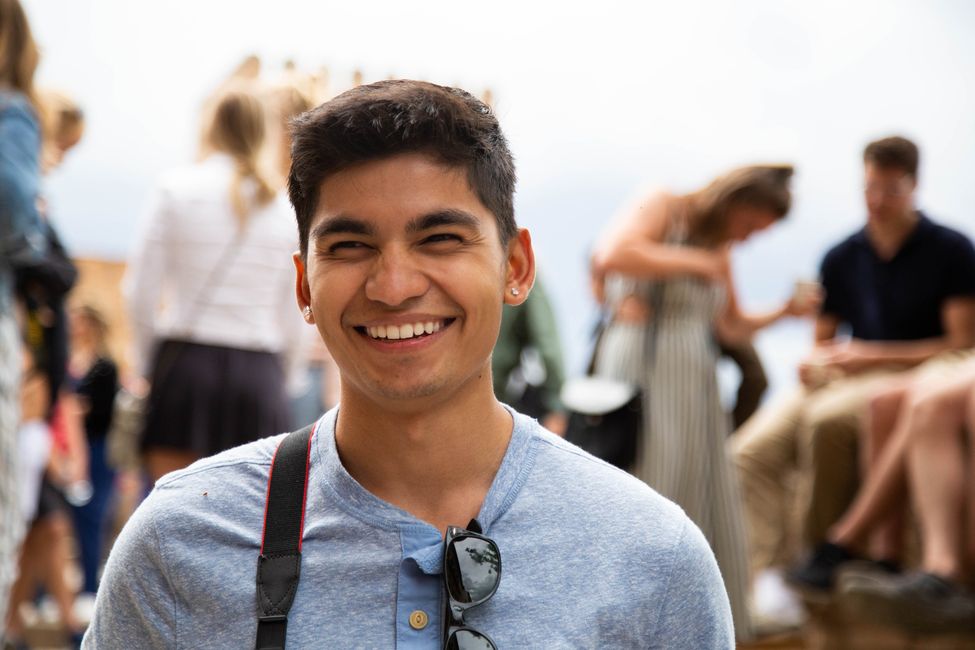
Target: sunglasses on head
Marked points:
471	574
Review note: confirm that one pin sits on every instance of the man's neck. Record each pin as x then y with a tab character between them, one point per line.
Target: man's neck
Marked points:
888	238
435	462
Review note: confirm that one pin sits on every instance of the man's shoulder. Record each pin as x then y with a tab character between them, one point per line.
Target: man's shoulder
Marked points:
635	540
230	482
950	239
259	452
590	491
844	249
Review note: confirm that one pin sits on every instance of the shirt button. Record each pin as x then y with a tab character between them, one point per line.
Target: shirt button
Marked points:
419	619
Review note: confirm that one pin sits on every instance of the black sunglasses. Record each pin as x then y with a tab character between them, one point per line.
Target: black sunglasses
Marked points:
471	575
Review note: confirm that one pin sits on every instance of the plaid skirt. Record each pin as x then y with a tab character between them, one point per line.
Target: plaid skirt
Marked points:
208	398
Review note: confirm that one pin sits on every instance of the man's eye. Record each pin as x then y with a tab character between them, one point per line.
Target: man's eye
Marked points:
341	246
443	237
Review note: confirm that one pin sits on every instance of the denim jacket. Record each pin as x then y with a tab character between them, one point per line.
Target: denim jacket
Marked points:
21	229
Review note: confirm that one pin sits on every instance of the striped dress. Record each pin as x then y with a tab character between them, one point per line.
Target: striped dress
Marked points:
11	517
682	445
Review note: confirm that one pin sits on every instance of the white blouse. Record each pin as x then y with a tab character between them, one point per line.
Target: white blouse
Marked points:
173	286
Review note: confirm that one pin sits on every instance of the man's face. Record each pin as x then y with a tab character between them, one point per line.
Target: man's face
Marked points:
406	277
889	193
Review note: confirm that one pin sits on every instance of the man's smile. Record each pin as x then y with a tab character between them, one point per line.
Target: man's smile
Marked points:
394	331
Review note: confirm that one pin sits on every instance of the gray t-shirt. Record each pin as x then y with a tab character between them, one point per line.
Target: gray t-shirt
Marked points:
591	558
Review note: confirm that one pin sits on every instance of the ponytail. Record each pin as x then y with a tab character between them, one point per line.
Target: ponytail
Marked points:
249	169
239	130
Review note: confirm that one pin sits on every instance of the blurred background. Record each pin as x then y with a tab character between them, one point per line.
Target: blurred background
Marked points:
597	99
600	101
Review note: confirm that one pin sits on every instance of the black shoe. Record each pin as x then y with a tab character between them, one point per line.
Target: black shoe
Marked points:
818	572
869	568
915	602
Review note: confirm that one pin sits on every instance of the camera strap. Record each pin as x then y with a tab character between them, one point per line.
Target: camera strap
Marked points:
279	564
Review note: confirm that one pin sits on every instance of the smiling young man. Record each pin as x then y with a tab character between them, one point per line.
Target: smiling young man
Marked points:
408	251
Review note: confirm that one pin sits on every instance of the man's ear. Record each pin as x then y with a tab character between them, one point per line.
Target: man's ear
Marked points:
302	290
519	268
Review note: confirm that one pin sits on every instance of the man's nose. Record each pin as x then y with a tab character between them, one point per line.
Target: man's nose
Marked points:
396	277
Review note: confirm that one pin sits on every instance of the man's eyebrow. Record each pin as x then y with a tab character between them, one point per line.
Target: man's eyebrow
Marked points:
346	225
447	217
341	224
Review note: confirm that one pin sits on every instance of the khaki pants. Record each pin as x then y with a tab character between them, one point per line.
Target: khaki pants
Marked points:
797	463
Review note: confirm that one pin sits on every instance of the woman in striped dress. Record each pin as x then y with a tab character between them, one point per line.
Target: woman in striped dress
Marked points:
663	273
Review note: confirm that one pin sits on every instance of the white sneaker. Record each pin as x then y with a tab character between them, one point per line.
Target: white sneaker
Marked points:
84	608
47	611
775	607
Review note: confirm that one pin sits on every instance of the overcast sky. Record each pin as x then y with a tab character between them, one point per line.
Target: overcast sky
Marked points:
596	98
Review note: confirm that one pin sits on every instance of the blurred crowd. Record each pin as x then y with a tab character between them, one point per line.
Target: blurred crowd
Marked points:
804	505
809	499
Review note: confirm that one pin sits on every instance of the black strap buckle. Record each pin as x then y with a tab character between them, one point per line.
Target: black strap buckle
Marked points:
279	564
271	632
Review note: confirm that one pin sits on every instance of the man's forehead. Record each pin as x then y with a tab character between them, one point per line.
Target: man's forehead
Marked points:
406	191
885	171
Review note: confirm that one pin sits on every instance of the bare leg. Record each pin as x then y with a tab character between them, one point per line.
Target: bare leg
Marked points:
27	577
936	464
887	537
970	428
162	461
44	559
54	545
876	505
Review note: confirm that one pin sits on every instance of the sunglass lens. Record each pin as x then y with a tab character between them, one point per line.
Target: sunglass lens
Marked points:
469	640
472	570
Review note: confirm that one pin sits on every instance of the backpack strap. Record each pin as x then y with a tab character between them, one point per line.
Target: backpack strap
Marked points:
279	565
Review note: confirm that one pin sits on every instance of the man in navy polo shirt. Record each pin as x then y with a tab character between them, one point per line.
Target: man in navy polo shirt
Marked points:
903	289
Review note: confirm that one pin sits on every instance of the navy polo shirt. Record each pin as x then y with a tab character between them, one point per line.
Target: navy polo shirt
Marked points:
900	299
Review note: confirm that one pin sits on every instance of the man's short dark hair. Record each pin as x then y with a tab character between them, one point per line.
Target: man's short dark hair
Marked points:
894	152
400	116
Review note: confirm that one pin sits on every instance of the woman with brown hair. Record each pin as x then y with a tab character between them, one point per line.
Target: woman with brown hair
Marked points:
210	291
663	274
21	244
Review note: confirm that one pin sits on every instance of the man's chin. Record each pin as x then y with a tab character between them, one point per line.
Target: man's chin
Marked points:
408	392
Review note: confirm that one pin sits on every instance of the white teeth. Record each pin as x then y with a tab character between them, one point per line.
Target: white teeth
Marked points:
398	332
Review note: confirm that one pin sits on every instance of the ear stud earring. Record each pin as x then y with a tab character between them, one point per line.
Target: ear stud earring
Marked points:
514	291
306	311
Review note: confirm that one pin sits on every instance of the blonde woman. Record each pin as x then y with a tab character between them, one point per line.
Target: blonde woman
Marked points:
289	100
210	292
94	379
663	273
